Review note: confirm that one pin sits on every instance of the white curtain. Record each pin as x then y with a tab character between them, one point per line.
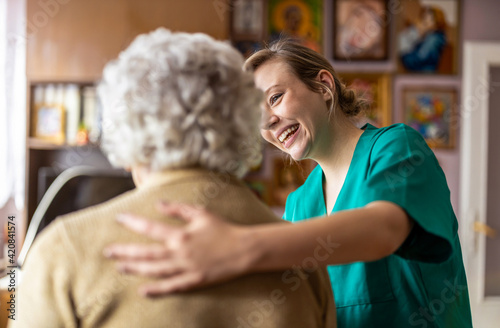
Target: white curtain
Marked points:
12	100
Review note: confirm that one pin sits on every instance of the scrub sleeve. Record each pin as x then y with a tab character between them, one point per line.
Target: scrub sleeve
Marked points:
423	284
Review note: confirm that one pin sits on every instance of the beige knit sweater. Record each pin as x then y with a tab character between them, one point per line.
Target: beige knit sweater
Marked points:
68	283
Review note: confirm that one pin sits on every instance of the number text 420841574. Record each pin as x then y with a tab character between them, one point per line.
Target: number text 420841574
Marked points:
12	267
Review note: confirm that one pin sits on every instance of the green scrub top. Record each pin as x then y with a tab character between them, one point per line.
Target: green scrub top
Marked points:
423	283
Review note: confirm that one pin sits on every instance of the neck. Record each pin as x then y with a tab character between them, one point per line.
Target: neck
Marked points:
337	153
140	174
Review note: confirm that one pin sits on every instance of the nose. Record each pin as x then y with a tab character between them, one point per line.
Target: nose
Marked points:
268	120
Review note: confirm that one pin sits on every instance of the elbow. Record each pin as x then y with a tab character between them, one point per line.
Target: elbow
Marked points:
381	250
394	227
391	246
383	247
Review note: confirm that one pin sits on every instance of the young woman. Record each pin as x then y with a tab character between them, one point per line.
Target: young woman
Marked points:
384	222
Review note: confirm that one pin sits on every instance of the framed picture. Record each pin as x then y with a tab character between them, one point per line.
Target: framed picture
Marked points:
301	20
374	88
427	36
247	20
360	30
49	124
432	112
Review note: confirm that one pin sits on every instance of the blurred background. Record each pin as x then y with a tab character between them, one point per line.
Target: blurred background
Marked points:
432	64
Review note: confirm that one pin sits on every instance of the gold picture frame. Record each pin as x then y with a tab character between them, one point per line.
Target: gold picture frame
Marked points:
375	88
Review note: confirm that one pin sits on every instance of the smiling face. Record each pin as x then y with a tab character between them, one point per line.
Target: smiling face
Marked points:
295	118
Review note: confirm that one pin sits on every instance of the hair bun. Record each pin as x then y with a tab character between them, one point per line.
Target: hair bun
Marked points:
351	103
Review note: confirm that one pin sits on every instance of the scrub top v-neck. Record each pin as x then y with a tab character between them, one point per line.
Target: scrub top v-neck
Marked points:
423	284
346	182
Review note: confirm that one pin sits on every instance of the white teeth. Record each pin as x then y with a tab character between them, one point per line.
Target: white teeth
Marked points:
283	136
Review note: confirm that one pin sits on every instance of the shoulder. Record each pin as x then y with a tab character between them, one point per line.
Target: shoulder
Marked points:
311	181
400	150
398	139
302	195
99	214
394	131
51	259
83	231
51	239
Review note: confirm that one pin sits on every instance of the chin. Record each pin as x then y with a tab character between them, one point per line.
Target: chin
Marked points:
298	154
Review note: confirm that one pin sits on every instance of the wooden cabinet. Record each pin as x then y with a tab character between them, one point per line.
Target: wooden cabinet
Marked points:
72	40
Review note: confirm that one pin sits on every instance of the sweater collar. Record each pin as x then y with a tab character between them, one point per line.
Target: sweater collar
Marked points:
158	178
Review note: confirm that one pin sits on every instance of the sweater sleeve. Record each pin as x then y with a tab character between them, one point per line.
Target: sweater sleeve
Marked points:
329	302
44	292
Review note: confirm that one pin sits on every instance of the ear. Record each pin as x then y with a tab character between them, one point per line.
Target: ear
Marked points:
327	79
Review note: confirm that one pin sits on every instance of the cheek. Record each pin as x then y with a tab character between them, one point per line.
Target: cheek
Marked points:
267	135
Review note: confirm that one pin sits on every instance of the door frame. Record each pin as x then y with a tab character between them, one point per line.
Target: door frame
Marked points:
478	58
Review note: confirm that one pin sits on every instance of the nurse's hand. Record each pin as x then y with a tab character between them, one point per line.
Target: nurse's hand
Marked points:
180	260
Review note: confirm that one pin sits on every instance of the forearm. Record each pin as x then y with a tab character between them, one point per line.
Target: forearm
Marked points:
229	250
365	234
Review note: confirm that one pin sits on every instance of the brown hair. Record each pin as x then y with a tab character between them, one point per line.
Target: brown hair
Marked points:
306	64
438	15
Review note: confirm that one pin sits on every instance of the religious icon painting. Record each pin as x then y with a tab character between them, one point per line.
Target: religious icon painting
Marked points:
300	20
427	36
360	30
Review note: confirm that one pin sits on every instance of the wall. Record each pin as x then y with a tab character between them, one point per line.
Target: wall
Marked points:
73	39
479	19
480	24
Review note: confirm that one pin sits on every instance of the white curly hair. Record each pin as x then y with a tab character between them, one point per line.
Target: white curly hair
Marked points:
175	100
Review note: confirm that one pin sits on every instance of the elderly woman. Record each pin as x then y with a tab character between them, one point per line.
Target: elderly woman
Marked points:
183	116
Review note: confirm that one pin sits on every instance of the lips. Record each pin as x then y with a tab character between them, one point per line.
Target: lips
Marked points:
287	133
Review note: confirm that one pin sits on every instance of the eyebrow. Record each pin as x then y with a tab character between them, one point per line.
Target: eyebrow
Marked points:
268	89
